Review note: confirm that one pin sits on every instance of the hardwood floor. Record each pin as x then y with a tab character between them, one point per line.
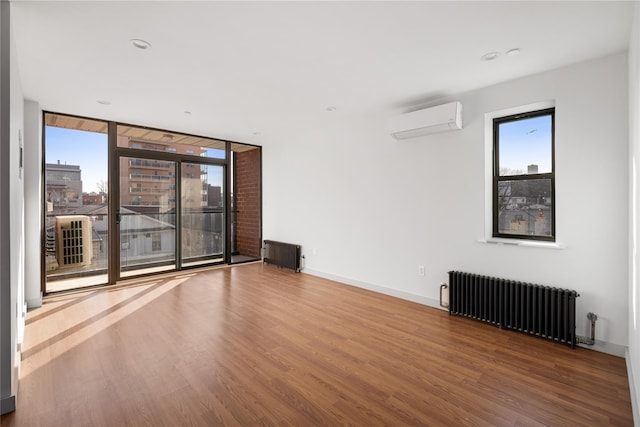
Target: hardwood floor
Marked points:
256	345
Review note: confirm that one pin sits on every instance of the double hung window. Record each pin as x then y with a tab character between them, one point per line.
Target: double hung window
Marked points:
524	176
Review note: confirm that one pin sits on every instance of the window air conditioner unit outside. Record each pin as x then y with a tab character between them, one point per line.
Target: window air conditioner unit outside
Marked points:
436	119
73	240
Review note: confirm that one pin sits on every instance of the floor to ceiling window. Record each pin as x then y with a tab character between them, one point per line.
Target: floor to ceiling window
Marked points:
75	202
158	201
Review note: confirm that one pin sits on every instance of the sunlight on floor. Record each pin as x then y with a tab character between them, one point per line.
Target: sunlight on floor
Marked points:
55	336
75	283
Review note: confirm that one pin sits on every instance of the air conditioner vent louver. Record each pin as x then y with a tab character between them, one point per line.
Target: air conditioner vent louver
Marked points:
436	119
73	240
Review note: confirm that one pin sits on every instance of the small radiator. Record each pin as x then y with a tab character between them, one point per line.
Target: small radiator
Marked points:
285	255
538	310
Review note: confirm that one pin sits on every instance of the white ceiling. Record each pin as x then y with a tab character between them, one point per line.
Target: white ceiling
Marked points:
273	68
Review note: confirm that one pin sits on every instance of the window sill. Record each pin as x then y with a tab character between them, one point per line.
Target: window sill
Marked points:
525	243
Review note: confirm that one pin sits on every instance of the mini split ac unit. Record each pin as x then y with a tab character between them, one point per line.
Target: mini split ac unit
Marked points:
424	122
73	240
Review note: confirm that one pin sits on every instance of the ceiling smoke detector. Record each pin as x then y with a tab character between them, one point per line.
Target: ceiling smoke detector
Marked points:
490	56
140	44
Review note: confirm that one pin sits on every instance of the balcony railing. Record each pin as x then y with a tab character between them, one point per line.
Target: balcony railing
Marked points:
147	190
142	177
150	164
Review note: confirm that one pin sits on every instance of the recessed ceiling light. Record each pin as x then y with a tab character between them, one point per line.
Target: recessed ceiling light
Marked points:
489	56
103	102
331	108
141	44
513	52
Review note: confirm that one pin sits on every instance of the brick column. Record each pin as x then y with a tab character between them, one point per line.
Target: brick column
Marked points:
248	198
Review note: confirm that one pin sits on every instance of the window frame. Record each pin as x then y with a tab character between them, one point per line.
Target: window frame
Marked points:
226	199
496	178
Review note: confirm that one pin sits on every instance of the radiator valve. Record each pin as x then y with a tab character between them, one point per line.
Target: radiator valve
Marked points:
443	286
590	341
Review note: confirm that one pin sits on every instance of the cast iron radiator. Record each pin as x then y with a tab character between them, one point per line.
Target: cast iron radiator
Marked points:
538	310
285	255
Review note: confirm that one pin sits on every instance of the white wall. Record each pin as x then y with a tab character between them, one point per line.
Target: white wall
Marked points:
633	356
11	216
32	202
368	210
17	194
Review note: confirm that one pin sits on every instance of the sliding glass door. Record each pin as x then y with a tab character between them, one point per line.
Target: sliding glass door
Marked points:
123	201
148	224
147	215
202	213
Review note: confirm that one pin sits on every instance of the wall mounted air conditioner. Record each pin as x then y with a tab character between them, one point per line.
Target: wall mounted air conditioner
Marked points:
73	241
424	122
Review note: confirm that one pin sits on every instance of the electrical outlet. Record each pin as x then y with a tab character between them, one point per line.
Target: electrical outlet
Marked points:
421	270
315	251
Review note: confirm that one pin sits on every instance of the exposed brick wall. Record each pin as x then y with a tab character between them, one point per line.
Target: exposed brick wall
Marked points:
247	189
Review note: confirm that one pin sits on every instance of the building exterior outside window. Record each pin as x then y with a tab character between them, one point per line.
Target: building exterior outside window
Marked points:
524	176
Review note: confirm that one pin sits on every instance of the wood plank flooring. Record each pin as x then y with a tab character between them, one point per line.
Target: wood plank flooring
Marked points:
257	345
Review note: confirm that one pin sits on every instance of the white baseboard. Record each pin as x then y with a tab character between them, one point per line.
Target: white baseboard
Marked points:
431	302
607	347
601	346
632	389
